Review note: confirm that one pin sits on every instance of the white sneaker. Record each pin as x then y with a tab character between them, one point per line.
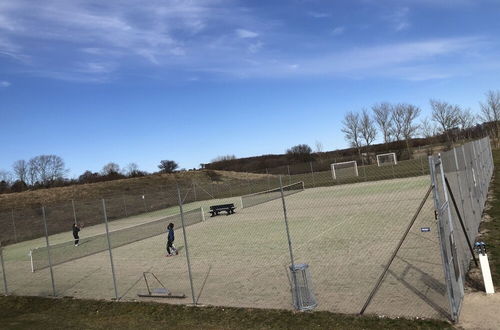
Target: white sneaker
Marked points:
76	244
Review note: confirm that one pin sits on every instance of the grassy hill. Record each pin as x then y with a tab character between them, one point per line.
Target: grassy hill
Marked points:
128	187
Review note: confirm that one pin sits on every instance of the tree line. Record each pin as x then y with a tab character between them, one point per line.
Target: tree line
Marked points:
399	127
47	171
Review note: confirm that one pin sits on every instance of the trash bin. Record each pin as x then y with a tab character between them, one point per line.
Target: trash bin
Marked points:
302	290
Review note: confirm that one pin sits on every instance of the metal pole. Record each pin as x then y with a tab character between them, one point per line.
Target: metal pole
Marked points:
14	225
125	205
186	244
396	250
289	176
312	174
48	252
289	242
194	191
144	201
268	180
6	290
74	211
422	165
109	248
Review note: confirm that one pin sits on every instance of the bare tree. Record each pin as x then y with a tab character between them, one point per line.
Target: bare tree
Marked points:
368	129
32	171
45	169
445	115
383	118
20	168
167	166
427	129
130	169
352	130
319	146
490	112
397	120
404	116
110	168
466	120
6	177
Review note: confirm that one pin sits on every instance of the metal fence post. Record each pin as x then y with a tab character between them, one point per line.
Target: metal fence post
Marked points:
469	183
186	243
289	176
144	200
268	180
2	264
109	247
125	205
289	241
459	180
312	174
194	192
74	210
48	252
14	225
433	165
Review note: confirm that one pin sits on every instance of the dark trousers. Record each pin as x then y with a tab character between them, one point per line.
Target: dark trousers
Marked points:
169	246
77	238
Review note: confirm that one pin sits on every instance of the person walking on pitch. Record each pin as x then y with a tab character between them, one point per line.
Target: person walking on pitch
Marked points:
76	230
171	250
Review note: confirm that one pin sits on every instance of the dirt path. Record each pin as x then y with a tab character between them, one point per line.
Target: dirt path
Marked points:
480	311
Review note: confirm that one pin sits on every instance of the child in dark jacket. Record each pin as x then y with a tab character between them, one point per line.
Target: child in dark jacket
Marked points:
171	250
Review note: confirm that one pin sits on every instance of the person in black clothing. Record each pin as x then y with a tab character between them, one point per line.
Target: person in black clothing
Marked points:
171	250
76	230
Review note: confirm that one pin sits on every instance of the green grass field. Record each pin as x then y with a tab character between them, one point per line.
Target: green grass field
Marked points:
345	233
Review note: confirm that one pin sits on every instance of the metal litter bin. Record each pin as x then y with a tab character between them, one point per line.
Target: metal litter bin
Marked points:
302	290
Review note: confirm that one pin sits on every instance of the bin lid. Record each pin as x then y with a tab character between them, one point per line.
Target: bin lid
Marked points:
299	266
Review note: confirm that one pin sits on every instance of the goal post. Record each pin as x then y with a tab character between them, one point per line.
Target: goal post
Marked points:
344	169
387	159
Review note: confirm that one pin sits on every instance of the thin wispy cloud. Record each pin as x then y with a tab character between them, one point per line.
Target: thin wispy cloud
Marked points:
242	33
96	41
316	14
399	19
4	84
390	60
338	30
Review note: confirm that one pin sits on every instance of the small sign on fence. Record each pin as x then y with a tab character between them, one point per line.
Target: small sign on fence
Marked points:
425	229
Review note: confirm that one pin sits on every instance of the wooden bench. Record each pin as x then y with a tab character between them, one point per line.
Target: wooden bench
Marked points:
216	209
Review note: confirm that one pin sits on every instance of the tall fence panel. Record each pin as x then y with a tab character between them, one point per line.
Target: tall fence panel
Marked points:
461	180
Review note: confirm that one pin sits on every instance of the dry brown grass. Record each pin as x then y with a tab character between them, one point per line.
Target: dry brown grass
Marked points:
110	188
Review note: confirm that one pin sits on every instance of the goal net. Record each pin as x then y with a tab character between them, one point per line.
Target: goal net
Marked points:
344	170
269	195
387	159
64	252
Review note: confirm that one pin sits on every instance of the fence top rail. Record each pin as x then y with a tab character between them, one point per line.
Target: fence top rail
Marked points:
276	189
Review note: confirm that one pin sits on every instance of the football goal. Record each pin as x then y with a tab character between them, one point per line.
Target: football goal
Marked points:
344	170
387	159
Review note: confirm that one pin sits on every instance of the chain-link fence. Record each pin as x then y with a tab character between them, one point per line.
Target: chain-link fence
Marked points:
461	179
362	240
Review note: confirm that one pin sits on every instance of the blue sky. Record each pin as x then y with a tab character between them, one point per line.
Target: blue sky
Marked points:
141	81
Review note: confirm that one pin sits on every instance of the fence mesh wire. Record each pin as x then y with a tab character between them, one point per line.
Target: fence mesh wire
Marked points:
371	242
